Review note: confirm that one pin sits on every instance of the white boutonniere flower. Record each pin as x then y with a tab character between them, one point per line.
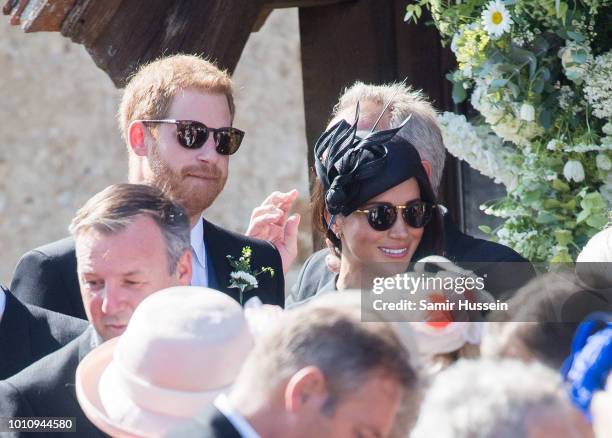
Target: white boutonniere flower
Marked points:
244	278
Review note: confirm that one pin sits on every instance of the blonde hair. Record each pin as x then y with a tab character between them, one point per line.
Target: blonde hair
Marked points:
422	130
149	92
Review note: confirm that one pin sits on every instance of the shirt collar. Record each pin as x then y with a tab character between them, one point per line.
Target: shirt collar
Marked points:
238	421
2	303
197	241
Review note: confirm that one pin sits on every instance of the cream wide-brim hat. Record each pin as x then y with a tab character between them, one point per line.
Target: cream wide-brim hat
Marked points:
95	380
115	382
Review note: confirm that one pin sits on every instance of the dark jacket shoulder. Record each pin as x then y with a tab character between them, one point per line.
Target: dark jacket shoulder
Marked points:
28	333
504	270
313	278
46	388
47	277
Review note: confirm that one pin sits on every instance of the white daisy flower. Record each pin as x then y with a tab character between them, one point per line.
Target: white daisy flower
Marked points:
496	19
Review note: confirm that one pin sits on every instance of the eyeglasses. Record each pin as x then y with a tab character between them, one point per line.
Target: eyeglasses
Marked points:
192	135
416	214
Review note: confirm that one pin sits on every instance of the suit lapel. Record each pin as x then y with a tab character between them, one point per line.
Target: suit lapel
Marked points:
222	426
85	345
217	249
15	341
213	283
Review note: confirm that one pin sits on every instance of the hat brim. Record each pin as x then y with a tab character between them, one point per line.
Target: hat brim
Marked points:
88	376
95	382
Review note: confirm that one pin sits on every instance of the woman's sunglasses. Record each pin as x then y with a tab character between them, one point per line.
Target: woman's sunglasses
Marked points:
416	214
192	135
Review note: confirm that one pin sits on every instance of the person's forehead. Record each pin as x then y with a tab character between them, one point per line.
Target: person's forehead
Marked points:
139	243
199	105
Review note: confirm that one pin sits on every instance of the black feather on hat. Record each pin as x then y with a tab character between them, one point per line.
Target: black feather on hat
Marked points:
353	169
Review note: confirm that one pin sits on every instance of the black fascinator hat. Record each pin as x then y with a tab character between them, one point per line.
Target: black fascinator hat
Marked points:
353	169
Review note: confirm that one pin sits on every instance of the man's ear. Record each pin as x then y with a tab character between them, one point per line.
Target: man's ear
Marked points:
306	389
428	169
184	269
136	138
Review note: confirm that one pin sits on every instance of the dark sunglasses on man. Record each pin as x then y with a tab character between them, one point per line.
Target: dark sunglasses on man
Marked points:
416	214
192	135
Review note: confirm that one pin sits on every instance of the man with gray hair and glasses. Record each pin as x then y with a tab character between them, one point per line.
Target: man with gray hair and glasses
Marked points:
392	103
131	241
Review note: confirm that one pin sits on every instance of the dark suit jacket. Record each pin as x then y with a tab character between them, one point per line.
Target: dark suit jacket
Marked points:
220	243
210	424
482	257
28	333
47	276
46	389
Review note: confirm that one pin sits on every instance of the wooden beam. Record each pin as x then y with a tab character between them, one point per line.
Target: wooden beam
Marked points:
275	4
88	19
342	43
130	34
45	15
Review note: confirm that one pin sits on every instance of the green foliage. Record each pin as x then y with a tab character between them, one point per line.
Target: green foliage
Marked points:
528	85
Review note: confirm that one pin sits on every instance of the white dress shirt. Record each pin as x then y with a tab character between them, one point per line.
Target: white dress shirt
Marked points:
2	303
199	276
240	424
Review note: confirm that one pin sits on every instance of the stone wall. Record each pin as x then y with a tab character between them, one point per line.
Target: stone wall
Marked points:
59	143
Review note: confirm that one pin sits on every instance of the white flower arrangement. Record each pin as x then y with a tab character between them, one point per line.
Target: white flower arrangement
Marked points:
483	150
598	86
545	102
503	116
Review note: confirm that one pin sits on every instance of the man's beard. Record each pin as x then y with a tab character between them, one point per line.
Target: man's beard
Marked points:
184	186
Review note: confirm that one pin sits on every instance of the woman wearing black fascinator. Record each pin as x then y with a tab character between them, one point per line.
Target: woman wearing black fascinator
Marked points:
373	201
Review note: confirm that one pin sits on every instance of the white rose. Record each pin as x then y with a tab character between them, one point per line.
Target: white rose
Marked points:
573	170
603	162
527	112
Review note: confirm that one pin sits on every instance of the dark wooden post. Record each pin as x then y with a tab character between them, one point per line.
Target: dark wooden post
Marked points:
368	40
